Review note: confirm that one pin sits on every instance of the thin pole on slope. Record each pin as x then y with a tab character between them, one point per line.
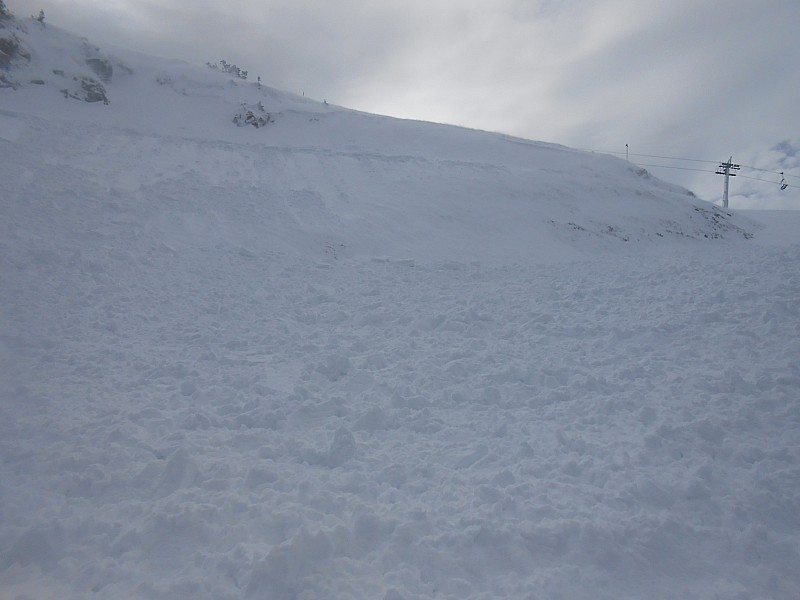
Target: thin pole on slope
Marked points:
725	169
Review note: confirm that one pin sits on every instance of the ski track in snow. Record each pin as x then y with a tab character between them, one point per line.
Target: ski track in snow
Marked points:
213	391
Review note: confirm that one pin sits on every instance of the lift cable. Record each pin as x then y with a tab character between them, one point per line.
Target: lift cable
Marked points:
655	156
674	167
782	183
781	173
698	160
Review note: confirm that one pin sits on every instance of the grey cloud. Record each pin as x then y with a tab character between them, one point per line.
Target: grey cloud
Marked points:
316	45
786	148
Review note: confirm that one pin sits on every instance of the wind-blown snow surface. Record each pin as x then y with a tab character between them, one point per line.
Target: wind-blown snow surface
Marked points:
343	356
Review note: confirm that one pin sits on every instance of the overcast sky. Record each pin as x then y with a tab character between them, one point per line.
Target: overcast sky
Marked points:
698	79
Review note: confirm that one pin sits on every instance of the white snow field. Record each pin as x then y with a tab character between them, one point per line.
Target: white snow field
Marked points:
342	356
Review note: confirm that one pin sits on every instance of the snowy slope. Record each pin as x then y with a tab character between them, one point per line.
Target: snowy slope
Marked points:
319	176
345	356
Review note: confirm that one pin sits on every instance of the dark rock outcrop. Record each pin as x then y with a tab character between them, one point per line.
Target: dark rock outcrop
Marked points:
86	89
101	67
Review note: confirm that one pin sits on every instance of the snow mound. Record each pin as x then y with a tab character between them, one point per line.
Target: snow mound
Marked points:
254	115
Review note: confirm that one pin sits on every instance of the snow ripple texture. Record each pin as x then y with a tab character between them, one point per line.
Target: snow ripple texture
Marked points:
278	429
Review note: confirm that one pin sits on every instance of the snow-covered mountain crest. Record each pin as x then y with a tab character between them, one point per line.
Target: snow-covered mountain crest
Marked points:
286	173
34	54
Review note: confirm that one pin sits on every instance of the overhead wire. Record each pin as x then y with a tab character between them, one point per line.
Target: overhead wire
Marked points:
674	158
673	167
783	175
788	185
653	156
